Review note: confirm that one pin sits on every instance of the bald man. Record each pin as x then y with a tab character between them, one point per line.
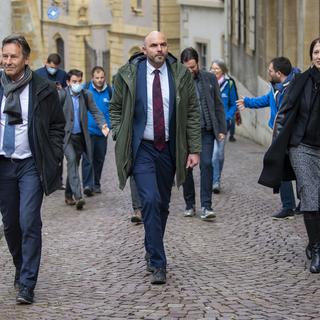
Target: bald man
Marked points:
156	124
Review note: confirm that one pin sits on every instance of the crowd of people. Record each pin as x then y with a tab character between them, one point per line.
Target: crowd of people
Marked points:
166	117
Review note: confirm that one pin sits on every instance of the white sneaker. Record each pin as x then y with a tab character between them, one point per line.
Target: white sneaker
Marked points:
207	214
190	212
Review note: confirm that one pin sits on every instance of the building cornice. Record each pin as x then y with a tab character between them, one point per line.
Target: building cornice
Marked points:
202	3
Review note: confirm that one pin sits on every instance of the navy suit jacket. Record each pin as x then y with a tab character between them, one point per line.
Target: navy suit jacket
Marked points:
141	105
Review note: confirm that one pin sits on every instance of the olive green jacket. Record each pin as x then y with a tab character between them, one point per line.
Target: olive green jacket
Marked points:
187	117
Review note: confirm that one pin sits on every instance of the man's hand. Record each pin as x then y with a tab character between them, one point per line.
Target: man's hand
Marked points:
240	103
193	160
105	130
221	136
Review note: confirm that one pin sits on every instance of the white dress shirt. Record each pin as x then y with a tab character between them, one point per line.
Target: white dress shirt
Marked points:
22	147
164	80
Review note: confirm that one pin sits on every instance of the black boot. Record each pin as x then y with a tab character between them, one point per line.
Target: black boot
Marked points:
315	260
312	223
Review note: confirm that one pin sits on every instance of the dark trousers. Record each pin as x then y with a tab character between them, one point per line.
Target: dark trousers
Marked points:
91	172
153	172
207	140
135	199
287	195
21	197
73	152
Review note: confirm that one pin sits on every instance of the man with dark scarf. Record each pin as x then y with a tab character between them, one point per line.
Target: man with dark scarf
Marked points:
31	150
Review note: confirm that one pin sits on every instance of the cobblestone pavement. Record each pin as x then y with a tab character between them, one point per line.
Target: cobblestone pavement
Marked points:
243	265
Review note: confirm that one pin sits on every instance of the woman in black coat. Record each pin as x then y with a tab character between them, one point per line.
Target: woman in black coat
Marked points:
295	151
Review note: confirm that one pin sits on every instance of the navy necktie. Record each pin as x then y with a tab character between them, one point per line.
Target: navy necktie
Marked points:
158	116
8	145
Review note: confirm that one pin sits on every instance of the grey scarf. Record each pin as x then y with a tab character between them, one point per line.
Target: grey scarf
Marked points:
12	92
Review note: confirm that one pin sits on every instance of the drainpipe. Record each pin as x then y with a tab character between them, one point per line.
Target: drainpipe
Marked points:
158	14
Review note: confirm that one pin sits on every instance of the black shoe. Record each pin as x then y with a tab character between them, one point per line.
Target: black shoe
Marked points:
80	203
88	191
159	276
315	260
96	189
283	214
25	295
232	139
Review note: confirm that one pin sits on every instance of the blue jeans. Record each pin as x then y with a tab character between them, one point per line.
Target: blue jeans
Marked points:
218	159
91	172
287	195
21	197
207	140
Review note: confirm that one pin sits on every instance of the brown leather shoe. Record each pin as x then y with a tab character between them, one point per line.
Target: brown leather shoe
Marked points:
69	202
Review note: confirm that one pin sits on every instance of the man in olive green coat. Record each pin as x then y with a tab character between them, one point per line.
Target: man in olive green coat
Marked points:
156	124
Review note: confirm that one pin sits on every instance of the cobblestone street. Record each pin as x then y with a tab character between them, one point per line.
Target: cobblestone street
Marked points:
243	265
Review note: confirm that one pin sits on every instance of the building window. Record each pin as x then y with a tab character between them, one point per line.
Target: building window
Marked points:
60	51
136	6
203	55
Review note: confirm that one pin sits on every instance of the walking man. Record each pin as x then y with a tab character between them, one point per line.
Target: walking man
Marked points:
156	123
213	126
31	152
52	72
280	74
91	171
77	103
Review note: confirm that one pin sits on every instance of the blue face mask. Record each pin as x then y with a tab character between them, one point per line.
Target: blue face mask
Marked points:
52	71
76	87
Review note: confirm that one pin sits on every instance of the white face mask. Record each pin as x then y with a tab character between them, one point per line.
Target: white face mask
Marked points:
76	87
52	71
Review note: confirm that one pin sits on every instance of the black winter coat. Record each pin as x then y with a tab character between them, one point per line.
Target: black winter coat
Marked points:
45	131
276	163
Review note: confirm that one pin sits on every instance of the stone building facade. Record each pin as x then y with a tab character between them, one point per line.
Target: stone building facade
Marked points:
133	19
202	25
258	31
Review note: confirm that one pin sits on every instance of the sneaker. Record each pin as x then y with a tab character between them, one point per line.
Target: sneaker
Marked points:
216	187
80	203
232	139
88	191
136	217
190	212
69	201
96	189
25	295
207	214
284	214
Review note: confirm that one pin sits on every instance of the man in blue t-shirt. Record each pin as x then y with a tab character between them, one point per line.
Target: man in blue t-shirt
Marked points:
91	171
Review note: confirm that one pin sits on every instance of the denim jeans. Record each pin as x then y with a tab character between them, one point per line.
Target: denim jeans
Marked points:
287	195
207	140
218	159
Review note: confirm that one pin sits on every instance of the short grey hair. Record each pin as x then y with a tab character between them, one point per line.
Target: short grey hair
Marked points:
222	65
